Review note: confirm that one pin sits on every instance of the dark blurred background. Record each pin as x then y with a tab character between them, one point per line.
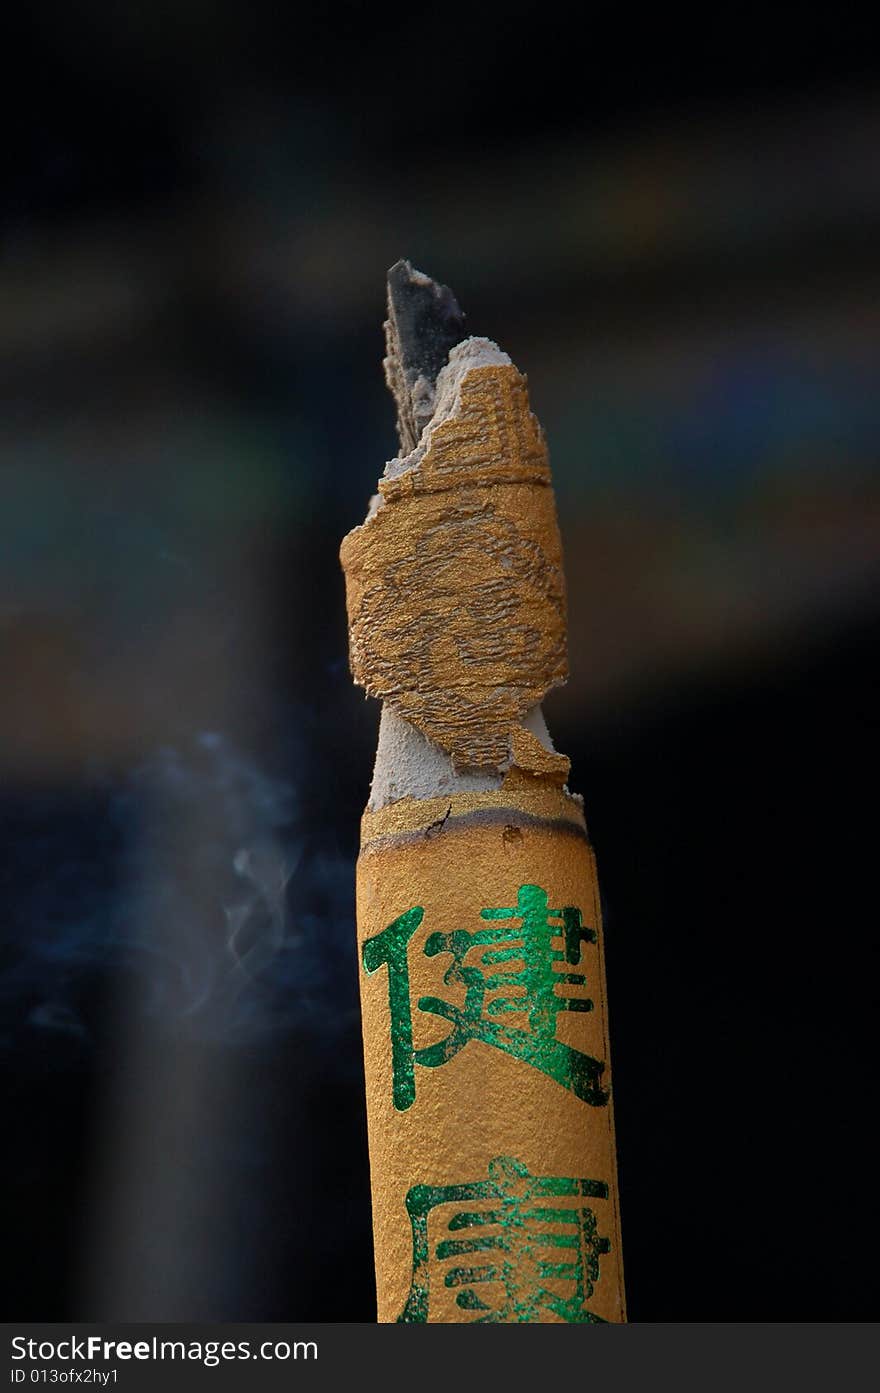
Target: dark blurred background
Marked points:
676	237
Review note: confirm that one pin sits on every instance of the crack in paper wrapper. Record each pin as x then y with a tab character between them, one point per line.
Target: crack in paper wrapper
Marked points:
455	588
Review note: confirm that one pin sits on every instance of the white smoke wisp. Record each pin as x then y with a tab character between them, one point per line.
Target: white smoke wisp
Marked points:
192	888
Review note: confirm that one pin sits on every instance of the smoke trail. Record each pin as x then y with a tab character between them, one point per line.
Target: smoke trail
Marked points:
193	879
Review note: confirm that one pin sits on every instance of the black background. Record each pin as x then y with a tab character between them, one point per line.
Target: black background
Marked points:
214	192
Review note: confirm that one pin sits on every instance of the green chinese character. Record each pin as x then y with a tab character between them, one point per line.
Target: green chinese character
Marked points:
390	946
522	1248
523	934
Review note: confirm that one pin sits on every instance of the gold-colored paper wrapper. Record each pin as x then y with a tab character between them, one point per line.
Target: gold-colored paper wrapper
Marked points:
454	586
490	1118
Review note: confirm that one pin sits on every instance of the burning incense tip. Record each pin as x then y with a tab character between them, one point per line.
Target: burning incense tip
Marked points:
424	323
455	587
486	1053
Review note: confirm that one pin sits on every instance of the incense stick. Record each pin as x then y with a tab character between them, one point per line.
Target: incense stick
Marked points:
485	1026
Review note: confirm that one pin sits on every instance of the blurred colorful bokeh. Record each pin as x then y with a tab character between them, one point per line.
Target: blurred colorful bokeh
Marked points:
683	259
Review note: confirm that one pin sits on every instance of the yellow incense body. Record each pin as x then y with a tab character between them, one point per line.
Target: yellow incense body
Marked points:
491	1129
480	944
